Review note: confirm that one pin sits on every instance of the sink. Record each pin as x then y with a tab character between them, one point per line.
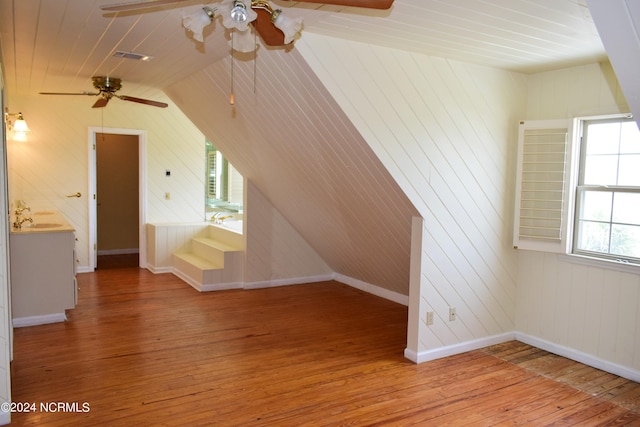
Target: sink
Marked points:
45	225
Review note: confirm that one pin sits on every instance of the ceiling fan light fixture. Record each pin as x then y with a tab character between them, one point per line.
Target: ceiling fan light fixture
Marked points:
198	20
239	12
291	27
244	41
236	15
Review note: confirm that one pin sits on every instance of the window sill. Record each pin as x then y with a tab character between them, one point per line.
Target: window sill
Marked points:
601	263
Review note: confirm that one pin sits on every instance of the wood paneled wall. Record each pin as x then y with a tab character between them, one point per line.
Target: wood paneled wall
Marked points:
587	309
5	322
446	131
287	135
54	161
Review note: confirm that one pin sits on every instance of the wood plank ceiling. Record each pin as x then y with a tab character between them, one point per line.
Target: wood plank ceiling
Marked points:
57	45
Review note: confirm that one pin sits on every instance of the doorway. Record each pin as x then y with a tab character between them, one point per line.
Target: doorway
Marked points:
117	194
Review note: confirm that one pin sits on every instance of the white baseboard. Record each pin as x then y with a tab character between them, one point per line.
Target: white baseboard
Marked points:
372	289
463	347
579	356
21	322
205	287
159	270
220	286
129	251
569	353
288	282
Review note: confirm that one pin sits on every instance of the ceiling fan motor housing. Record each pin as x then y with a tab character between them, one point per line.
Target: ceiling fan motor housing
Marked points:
107	84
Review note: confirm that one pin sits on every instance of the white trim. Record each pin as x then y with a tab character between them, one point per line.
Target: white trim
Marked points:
287	282
220	286
355	283
372	289
5	417
579	356
142	191
119	251
600	263
20	322
159	270
569	353
463	347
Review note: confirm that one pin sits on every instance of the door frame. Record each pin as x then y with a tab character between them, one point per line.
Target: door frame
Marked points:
142	193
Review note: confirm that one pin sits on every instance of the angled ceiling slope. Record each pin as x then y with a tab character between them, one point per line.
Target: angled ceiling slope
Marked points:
618	22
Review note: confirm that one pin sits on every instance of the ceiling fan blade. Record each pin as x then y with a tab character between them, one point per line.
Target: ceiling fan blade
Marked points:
70	93
102	102
371	4
119	7
143	101
271	35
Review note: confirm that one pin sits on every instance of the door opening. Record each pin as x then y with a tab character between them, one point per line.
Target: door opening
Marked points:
117	196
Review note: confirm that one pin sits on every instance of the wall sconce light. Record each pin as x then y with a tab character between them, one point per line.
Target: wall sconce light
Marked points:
18	126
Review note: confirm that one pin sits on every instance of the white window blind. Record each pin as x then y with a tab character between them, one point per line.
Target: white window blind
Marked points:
542	185
212	174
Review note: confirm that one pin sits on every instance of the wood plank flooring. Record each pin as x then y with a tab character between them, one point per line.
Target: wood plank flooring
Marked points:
148	350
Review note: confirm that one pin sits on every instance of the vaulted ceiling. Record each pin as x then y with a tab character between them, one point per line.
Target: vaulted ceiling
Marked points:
59	44
300	150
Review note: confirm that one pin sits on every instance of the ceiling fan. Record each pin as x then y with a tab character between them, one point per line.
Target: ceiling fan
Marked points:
266	23
107	88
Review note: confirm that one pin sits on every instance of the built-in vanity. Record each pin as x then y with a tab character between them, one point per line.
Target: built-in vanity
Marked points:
43	281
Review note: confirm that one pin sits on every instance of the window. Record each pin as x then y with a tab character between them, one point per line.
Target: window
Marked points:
607	214
579	193
224	184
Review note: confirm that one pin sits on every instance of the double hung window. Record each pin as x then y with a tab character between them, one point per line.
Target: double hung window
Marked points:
578	188
607	214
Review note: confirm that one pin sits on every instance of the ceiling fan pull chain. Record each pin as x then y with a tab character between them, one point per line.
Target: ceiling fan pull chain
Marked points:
231	97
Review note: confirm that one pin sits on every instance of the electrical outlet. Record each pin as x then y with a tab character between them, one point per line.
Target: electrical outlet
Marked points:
429	318
452	314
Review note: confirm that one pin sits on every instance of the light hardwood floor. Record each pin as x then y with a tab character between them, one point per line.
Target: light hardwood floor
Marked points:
148	350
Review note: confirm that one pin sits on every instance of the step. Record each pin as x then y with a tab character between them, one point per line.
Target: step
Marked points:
197	269
210	249
198	262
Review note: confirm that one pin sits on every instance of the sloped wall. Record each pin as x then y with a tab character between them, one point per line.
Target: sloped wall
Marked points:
275	253
293	142
446	131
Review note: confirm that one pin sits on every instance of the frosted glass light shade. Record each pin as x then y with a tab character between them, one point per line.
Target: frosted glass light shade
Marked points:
197	21
290	27
244	41
20	125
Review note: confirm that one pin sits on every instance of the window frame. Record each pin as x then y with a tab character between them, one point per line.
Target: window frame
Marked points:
579	189
565	245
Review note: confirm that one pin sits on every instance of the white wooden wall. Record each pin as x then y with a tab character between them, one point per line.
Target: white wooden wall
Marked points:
588	311
5	334
446	131
54	160
276	253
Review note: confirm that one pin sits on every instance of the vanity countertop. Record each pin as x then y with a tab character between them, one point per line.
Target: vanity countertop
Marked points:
44	222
